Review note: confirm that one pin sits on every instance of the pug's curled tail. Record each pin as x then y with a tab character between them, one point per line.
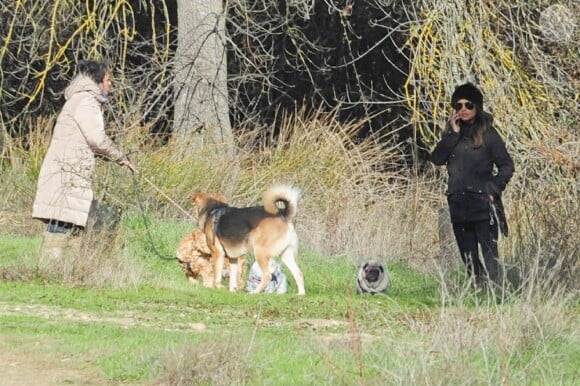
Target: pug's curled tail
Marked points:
281	200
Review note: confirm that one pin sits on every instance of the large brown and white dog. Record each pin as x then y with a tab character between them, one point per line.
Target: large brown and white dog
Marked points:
266	231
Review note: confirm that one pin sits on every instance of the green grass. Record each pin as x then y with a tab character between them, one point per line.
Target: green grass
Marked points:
161	317
126	332
14	247
162	329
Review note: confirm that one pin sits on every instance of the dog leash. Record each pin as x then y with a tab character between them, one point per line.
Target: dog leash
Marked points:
167	197
137	189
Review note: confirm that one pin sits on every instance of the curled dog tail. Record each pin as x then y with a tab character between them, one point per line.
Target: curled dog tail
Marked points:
281	200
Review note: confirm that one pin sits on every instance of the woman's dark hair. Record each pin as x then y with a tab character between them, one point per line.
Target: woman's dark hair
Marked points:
93	69
482	121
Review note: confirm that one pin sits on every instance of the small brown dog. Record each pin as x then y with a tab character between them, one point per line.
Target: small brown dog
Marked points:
195	258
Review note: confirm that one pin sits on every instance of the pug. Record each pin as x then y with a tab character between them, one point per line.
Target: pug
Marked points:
372	278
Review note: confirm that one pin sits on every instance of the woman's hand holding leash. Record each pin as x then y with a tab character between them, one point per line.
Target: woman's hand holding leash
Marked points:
126	163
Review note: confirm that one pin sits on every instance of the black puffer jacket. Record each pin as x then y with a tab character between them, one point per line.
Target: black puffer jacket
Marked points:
471	177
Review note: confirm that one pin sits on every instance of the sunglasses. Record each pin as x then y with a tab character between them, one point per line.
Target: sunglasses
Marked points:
468	105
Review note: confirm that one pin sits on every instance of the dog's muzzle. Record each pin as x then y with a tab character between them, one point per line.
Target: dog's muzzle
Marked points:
372	278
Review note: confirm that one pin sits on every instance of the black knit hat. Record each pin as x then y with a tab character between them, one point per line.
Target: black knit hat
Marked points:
470	92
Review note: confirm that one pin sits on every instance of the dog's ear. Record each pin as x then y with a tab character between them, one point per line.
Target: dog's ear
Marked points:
196	198
200	198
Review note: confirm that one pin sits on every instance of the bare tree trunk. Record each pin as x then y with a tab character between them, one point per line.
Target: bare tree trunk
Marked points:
201	104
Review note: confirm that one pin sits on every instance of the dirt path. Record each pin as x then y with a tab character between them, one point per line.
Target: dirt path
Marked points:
25	363
22	367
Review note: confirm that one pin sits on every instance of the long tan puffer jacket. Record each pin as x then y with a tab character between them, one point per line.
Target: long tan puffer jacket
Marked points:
64	185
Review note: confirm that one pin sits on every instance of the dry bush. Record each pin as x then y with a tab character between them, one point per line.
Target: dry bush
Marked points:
543	251
18	272
452	344
355	200
17	189
91	260
210	363
343	180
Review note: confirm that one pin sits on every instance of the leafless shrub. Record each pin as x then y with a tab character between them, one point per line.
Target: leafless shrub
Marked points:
43	41
17	272
89	259
212	363
544	254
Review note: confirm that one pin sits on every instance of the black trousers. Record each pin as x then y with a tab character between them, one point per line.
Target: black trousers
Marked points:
56	226
471	235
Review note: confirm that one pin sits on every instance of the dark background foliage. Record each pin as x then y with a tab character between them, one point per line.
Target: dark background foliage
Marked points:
334	54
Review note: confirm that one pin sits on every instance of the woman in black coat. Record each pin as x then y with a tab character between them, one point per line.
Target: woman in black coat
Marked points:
471	147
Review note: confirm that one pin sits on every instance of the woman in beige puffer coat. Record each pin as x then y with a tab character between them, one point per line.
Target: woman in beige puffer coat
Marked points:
64	195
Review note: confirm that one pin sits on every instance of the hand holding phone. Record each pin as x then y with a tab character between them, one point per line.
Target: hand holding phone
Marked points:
454	123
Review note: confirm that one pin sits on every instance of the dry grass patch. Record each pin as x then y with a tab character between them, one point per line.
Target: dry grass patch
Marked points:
211	363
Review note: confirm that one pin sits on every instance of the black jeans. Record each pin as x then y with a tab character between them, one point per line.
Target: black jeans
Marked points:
55	226
471	235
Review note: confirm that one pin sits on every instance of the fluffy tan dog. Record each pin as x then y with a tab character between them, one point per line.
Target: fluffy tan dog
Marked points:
195	258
